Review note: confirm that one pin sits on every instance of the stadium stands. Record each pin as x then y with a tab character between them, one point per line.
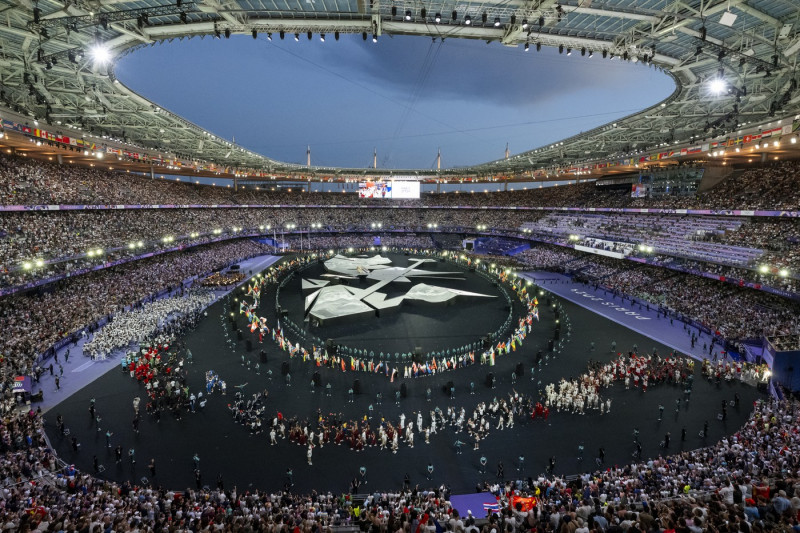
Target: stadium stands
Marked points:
739	484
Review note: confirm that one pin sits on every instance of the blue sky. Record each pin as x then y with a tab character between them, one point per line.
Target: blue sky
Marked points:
404	96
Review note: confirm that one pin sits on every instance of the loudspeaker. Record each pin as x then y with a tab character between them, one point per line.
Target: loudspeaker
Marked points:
284	368
263	356
485	341
495	284
472	269
403	390
249	345
557	333
357	386
520	370
239	335
317	379
284	313
550	344
234	267
447	387
490	379
330	346
415	357
418	351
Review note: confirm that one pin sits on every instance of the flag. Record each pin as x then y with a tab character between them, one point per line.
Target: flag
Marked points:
526	503
491	507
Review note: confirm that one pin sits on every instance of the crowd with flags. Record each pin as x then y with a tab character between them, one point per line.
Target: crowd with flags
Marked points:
321	357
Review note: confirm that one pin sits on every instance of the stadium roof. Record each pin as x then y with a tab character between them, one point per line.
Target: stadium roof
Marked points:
733	62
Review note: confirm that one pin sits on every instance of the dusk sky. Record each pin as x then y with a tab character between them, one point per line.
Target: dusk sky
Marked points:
404	96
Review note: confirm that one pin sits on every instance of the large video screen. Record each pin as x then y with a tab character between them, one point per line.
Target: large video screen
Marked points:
405	189
389	189
374	189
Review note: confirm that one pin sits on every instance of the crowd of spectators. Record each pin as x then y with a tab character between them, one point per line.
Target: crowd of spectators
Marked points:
34	321
733	311
28	182
43	244
367	242
746	483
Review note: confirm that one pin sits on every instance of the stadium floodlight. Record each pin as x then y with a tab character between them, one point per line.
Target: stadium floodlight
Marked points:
437	18
408	15
100	54
763	269
27	265
783	273
497	22
717	86
468	20
374	40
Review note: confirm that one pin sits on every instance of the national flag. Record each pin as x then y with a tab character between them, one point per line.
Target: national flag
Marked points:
491	507
526	503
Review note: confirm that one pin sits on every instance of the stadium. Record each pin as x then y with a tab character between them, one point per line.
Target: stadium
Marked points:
595	334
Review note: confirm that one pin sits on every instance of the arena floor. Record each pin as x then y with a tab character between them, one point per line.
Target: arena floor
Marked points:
248	461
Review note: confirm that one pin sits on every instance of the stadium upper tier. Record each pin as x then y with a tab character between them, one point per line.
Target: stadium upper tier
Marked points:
37	245
27	182
733	63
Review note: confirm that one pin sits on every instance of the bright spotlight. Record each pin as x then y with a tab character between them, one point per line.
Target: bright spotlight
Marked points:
100	54
717	86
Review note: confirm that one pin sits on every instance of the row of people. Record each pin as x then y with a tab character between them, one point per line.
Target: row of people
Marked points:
28	182
740	484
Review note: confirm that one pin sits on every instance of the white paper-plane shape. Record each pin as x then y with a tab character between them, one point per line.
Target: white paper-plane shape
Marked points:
378	300
309	284
310	299
392	273
338	276
432	294
350	266
337	301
